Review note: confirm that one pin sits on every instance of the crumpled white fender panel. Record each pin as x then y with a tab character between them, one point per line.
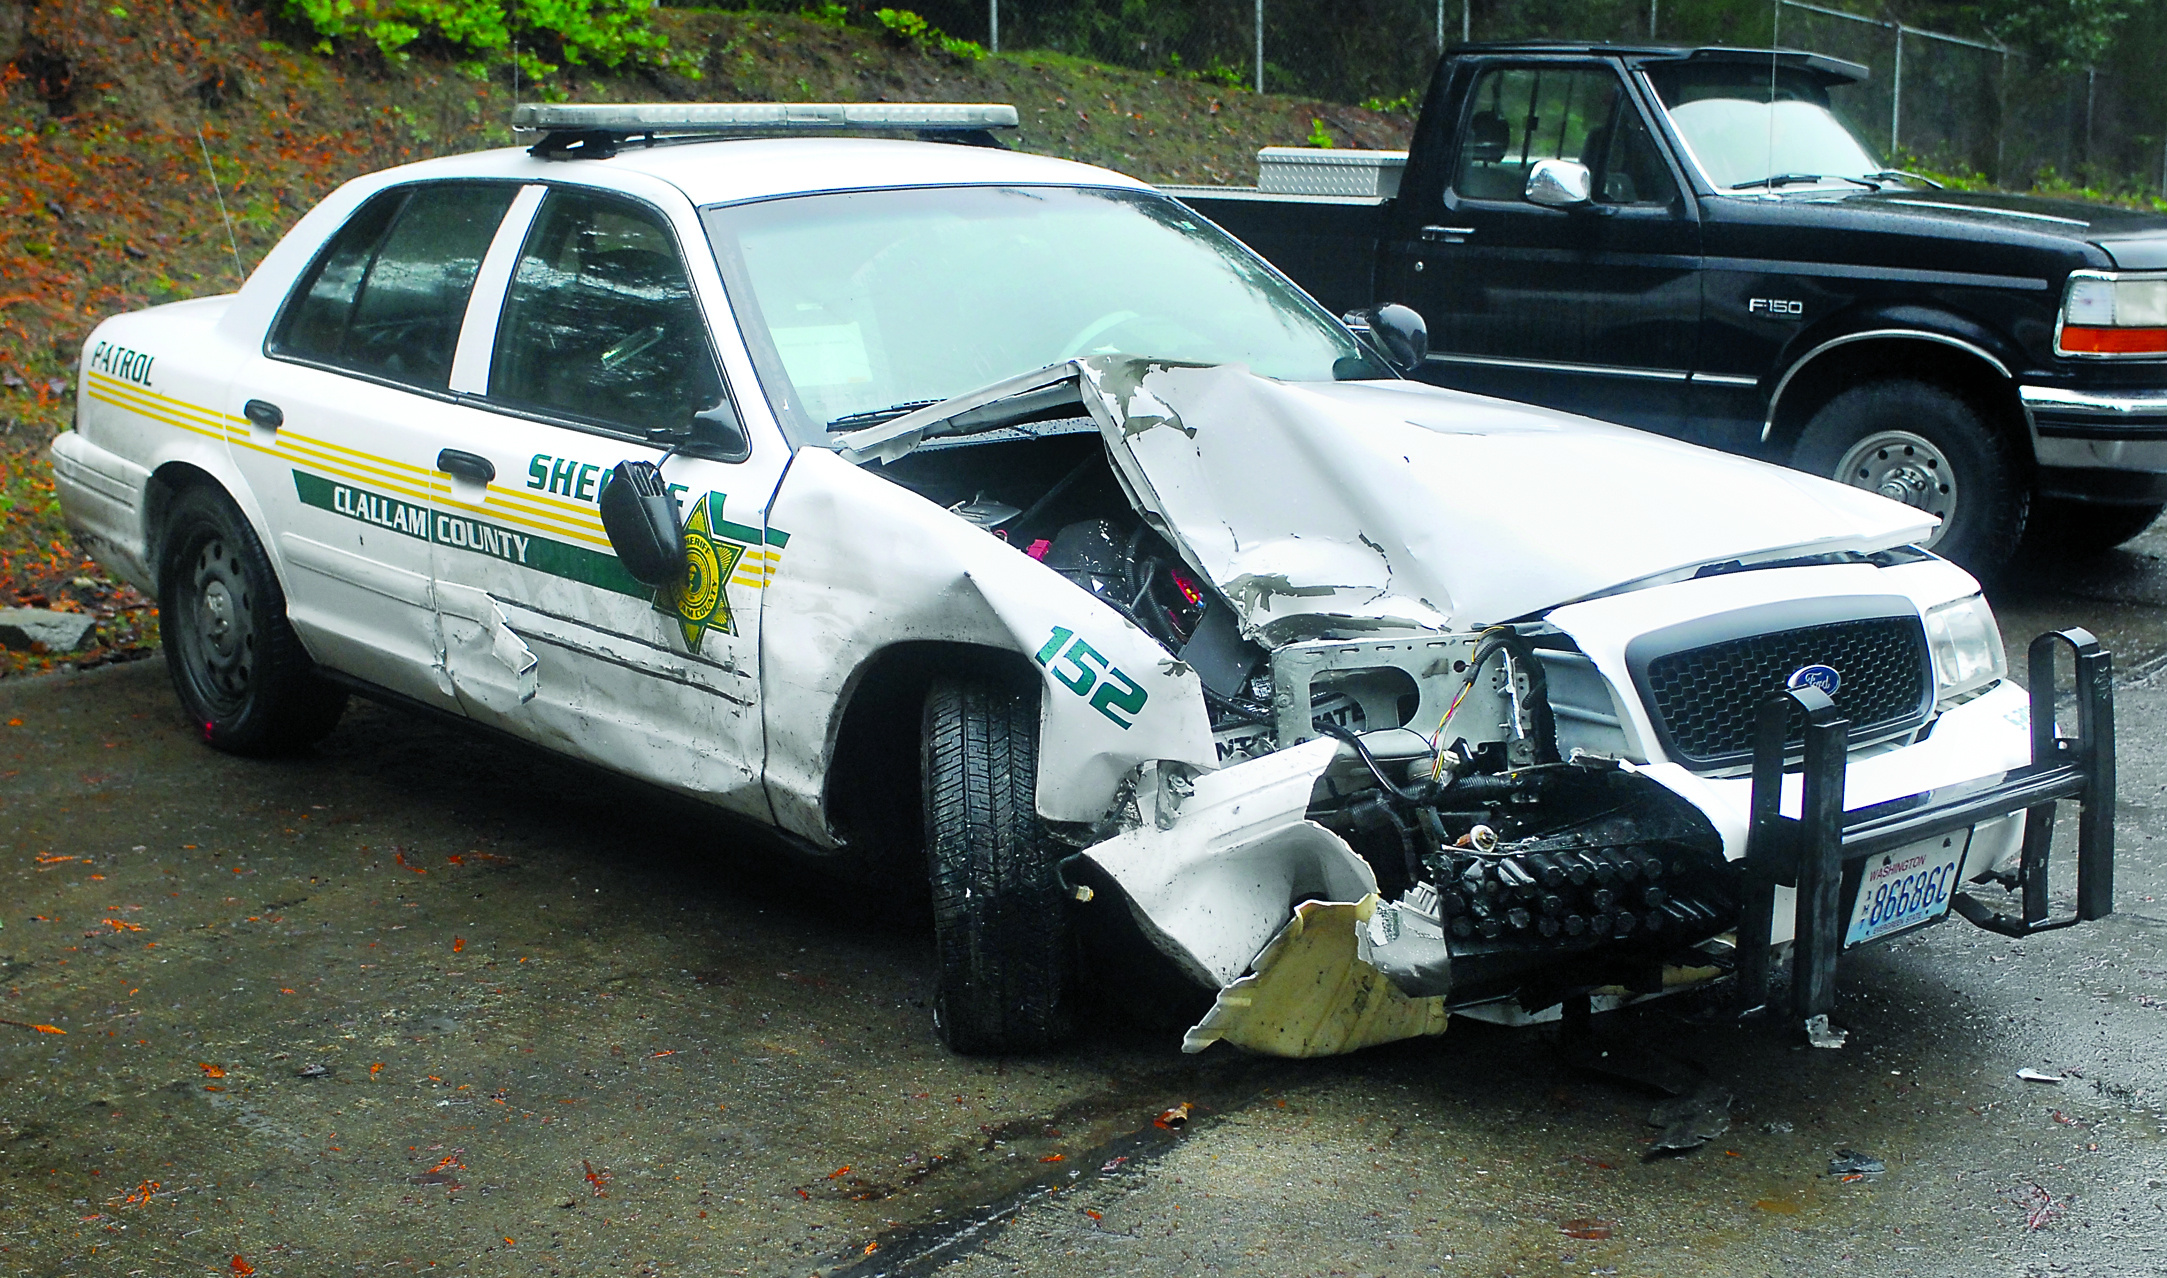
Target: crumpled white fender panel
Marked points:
873	564
1215	888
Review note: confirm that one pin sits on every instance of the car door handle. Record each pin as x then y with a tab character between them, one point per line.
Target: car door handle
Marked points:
1447	234
263	413
466	466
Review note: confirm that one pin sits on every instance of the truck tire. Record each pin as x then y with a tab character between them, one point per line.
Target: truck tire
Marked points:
1926	446
999	912
237	666
2084	528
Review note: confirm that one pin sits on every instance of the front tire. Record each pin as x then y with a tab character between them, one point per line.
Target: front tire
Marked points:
999	910
237	666
1928	447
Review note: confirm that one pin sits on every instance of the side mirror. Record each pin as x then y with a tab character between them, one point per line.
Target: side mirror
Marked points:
640	516
1559	184
1397	331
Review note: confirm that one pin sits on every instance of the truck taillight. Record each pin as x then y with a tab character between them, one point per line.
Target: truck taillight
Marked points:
2108	314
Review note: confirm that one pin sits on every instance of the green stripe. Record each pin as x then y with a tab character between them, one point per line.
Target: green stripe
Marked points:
475	536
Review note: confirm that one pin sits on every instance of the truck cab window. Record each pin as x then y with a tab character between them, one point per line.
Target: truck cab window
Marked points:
1626	165
388	295
601	325
1523	114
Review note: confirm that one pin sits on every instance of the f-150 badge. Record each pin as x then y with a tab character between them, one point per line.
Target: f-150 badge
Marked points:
1775	307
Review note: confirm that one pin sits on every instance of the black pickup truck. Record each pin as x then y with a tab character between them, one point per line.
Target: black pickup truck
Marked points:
1694	241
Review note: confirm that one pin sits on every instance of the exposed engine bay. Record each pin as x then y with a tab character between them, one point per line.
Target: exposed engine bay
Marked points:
1481	778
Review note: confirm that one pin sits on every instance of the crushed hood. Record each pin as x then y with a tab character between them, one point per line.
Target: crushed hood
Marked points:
1331	509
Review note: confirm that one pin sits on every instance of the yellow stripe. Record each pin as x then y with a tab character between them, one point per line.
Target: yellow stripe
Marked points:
190	427
157	406
163	401
528	523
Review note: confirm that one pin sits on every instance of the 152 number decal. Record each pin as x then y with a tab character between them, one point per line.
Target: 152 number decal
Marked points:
1084	670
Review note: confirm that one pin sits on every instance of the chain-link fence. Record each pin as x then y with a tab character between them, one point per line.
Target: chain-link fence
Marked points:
1960	103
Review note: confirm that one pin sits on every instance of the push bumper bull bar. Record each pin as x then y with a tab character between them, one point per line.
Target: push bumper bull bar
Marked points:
1809	852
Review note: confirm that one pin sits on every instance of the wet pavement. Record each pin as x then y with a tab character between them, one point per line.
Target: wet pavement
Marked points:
424	1001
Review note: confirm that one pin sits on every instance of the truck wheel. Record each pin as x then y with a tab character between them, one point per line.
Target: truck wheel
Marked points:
1925	446
236	664
999	914
2087	528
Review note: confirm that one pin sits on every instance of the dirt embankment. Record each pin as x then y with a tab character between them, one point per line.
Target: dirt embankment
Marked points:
153	152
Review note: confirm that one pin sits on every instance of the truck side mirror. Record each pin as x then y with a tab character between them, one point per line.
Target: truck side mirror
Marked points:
1558	184
640	515
1398	332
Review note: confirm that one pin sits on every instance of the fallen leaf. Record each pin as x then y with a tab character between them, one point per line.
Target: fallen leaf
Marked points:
870	1248
1054	1158
210	1070
373	1068
840	1171
241	1266
458	943
42	1029
1176	1117
1585	1227
508	1242
1092	1214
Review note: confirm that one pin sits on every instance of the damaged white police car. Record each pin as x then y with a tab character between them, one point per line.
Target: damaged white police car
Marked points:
949	507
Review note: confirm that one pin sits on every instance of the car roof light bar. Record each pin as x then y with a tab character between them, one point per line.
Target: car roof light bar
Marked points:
594	130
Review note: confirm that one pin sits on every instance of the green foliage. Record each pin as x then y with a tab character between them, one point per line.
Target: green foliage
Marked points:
1406	104
827	13
2064	34
1213	72
1317	136
905	27
582	32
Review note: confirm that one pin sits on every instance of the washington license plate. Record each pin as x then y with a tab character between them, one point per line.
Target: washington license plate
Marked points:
1907	887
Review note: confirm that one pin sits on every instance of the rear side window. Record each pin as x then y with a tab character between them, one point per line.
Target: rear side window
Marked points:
388	294
600	324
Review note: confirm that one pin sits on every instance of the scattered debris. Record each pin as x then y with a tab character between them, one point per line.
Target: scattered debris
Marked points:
210	1070
1688	1122
42	1029
1850	1162
2038	1206
25	629
313	1071
598	1179
1820	1033
1778	1128
2031	1075
1586	1227
1174	1119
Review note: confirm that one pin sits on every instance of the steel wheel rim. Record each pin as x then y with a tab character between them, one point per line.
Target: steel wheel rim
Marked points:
1905	467
217	627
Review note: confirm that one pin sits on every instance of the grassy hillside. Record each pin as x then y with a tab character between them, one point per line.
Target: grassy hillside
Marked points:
154	152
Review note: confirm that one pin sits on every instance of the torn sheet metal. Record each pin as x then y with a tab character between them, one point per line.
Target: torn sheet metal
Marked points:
1312	995
489	664
1212	889
1330	510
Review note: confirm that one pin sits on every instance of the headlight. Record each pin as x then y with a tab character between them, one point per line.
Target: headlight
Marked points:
2108	314
1966	645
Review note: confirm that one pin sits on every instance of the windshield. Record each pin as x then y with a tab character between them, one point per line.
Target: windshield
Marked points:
1749	130
860	304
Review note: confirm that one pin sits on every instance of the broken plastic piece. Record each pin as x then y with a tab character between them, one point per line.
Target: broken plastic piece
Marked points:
1821	1034
1688	1122
2031	1075
1850	1162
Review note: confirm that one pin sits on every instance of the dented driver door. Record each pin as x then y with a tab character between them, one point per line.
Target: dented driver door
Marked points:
593	341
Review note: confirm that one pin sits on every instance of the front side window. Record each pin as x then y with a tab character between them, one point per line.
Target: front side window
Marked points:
1523	114
389	293
1750	128
600	324
860	304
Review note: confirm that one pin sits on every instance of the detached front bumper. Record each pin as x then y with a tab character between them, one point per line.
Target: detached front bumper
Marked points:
2107	446
1813	851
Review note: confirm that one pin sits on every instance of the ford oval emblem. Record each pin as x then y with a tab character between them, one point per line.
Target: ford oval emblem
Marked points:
1823	677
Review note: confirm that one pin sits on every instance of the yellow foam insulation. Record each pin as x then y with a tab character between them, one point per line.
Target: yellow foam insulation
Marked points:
1311	995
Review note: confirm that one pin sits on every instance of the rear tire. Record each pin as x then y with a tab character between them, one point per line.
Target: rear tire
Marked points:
999	911
237	666
1928	447
2083	528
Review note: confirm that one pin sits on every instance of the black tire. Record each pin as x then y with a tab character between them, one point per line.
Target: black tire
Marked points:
1929	447
2083	528
237	666
999	911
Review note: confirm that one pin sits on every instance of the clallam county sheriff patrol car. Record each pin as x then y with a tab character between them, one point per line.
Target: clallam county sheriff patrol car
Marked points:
950	507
